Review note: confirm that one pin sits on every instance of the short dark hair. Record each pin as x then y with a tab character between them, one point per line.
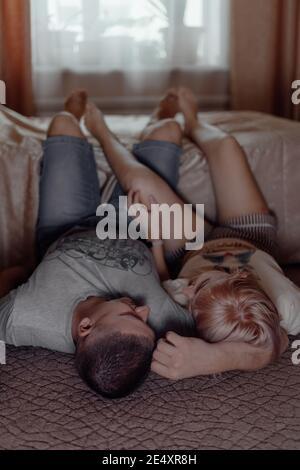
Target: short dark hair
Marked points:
115	364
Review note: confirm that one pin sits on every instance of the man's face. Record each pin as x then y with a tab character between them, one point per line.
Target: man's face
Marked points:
121	315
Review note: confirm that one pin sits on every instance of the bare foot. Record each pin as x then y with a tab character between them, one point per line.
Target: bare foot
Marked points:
168	106
187	103
94	120
76	103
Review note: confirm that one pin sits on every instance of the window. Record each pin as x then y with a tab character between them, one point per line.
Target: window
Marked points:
100	36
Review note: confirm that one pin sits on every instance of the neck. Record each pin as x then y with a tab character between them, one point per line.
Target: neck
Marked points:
84	309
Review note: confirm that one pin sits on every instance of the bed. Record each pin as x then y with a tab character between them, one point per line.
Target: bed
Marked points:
43	403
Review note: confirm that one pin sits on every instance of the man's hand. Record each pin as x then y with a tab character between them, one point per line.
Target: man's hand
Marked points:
177	357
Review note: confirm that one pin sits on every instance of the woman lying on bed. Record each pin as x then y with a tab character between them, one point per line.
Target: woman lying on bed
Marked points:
225	283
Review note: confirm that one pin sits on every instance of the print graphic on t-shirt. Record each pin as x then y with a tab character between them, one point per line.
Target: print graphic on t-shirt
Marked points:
119	254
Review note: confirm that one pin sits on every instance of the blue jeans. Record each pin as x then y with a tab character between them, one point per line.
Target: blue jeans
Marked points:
69	186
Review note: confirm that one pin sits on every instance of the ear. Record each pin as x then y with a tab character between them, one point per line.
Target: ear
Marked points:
85	327
284	341
189	291
243	275
143	312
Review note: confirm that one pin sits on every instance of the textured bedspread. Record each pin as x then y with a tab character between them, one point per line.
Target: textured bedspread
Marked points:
44	405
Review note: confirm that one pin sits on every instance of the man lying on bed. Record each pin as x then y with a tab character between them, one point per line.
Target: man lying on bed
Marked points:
101	300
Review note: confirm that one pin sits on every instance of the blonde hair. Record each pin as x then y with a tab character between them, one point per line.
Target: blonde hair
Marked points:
237	309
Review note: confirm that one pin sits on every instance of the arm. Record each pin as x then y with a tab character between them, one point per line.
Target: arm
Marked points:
157	248
11	278
134	176
177	358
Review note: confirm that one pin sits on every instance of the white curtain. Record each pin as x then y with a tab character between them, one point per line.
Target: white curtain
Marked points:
86	37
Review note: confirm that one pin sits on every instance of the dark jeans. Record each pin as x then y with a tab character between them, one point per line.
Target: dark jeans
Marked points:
69	186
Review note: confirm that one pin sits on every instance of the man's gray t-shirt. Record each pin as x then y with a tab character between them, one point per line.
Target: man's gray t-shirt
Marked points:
78	266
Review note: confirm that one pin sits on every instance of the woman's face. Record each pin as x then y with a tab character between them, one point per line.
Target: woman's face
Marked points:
208	279
205	280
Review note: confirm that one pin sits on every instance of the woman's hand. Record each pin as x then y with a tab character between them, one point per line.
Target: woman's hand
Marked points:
177	357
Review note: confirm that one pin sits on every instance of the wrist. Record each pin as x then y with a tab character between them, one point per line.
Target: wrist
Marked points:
215	357
157	243
243	356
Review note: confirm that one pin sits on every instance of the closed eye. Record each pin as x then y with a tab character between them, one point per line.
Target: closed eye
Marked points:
201	285
223	269
218	259
132	314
